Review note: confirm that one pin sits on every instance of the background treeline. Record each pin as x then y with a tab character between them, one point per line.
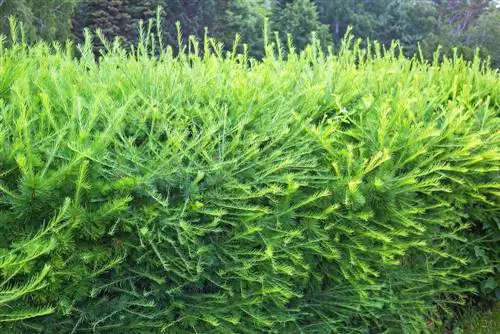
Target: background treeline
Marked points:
465	24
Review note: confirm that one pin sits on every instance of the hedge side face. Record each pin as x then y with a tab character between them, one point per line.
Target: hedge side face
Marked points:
353	193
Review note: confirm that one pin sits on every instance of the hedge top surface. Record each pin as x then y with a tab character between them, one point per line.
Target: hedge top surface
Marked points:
321	193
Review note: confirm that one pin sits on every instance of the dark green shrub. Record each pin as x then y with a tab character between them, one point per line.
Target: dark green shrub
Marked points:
348	193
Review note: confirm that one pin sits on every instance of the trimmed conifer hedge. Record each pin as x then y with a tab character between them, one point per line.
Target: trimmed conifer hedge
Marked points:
347	192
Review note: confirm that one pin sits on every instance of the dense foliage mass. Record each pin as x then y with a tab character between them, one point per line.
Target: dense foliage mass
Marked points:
465	24
321	193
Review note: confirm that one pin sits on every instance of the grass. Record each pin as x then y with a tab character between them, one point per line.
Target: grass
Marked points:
474	322
479	317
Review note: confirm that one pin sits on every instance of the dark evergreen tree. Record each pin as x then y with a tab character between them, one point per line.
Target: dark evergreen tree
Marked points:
109	16
245	17
299	18
79	21
144	11
336	14
192	15
223	19
411	22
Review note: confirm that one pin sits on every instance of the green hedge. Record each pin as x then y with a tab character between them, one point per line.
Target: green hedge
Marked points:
350	192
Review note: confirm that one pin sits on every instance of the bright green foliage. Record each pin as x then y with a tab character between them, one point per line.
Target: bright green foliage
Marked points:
205	194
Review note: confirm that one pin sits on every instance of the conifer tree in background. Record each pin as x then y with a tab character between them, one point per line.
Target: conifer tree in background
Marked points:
245	17
110	16
338	14
298	18
223	19
79	21
411	22
144	11
193	16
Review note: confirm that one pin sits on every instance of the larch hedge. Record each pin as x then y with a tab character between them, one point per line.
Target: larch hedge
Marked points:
354	191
